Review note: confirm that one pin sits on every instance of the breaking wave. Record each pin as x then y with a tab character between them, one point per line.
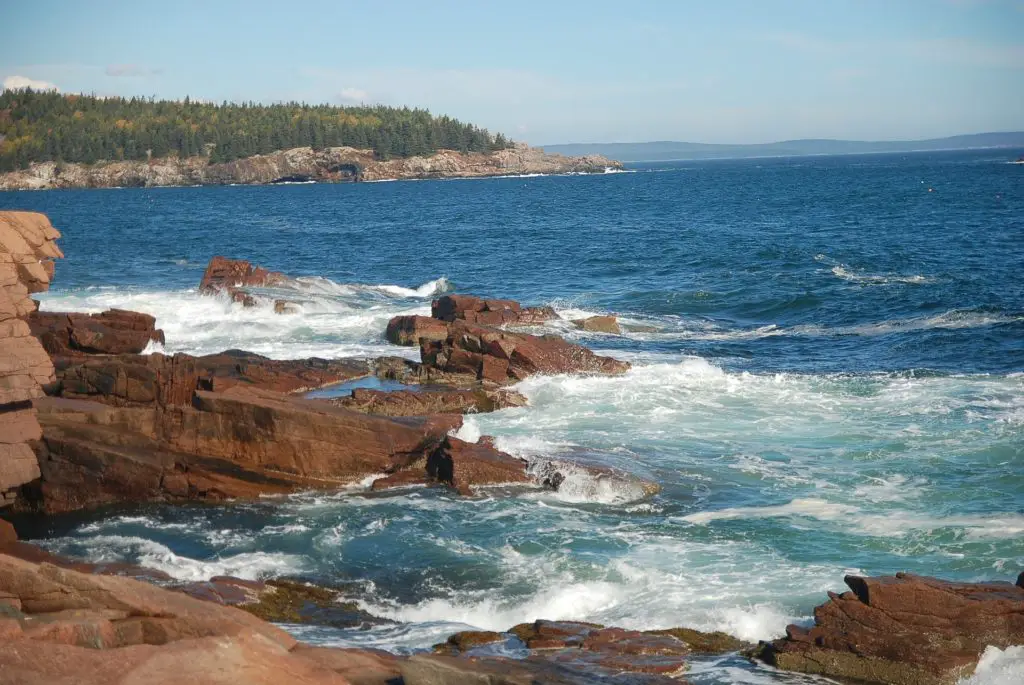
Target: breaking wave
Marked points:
323	319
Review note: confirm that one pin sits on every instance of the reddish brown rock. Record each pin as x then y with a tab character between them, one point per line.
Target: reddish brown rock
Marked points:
357	666
422	402
488	312
7	533
246	369
461	465
236	444
561	652
408	331
27	251
302	437
232	276
223	273
506	357
128	380
903	630
415	475
62	626
115	331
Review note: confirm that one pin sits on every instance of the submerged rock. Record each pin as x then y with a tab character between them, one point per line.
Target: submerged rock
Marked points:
903	630
599	324
558	652
421	402
289	601
701	642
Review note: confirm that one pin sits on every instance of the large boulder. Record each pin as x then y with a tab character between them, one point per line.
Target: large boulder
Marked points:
903	630
488	312
462	465
306	438
409	330
115	331
491	354
241	443
127	380
27	250
233	276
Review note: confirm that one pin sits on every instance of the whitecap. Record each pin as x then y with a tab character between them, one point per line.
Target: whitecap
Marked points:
998	667
151	554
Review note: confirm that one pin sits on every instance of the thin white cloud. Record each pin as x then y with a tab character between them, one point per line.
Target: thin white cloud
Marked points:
353	96
962	52
131	71
15	82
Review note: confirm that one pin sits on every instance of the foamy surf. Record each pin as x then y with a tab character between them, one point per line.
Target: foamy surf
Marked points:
325	318
847	274
998	667
250	565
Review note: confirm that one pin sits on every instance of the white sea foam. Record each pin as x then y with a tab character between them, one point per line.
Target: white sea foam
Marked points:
854	520
661	583
998	667
847	274
151	554
675	328
813	508
327	319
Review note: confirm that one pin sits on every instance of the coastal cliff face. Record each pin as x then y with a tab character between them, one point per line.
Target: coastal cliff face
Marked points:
27	250
302	164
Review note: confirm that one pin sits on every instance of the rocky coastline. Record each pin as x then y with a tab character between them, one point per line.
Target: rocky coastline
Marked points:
89	416
301	165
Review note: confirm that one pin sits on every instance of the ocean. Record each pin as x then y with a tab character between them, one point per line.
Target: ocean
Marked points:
828	378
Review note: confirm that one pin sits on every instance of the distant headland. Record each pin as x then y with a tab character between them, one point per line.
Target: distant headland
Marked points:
667	150
50	140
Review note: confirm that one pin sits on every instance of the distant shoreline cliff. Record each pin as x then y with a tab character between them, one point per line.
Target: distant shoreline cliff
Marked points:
297	165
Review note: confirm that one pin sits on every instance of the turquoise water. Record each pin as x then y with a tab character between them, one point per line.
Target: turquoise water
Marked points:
834	383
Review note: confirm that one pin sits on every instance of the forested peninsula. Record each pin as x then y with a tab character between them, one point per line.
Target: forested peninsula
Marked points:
53	140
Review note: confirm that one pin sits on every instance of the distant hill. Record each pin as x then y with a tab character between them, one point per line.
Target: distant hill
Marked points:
664	150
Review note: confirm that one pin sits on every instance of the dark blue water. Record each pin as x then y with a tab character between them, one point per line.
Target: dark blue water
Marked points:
829	377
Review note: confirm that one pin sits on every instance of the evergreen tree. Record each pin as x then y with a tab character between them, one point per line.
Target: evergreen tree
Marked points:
48	126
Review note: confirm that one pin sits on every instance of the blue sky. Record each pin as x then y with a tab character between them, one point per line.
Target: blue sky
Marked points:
554	72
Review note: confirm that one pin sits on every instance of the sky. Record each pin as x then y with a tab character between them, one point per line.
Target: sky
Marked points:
557	71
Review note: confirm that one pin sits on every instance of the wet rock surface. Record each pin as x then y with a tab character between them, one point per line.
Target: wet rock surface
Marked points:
232	276
903	630
599	324
429	401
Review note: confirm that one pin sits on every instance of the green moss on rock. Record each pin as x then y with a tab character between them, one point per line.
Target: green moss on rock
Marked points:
705	643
